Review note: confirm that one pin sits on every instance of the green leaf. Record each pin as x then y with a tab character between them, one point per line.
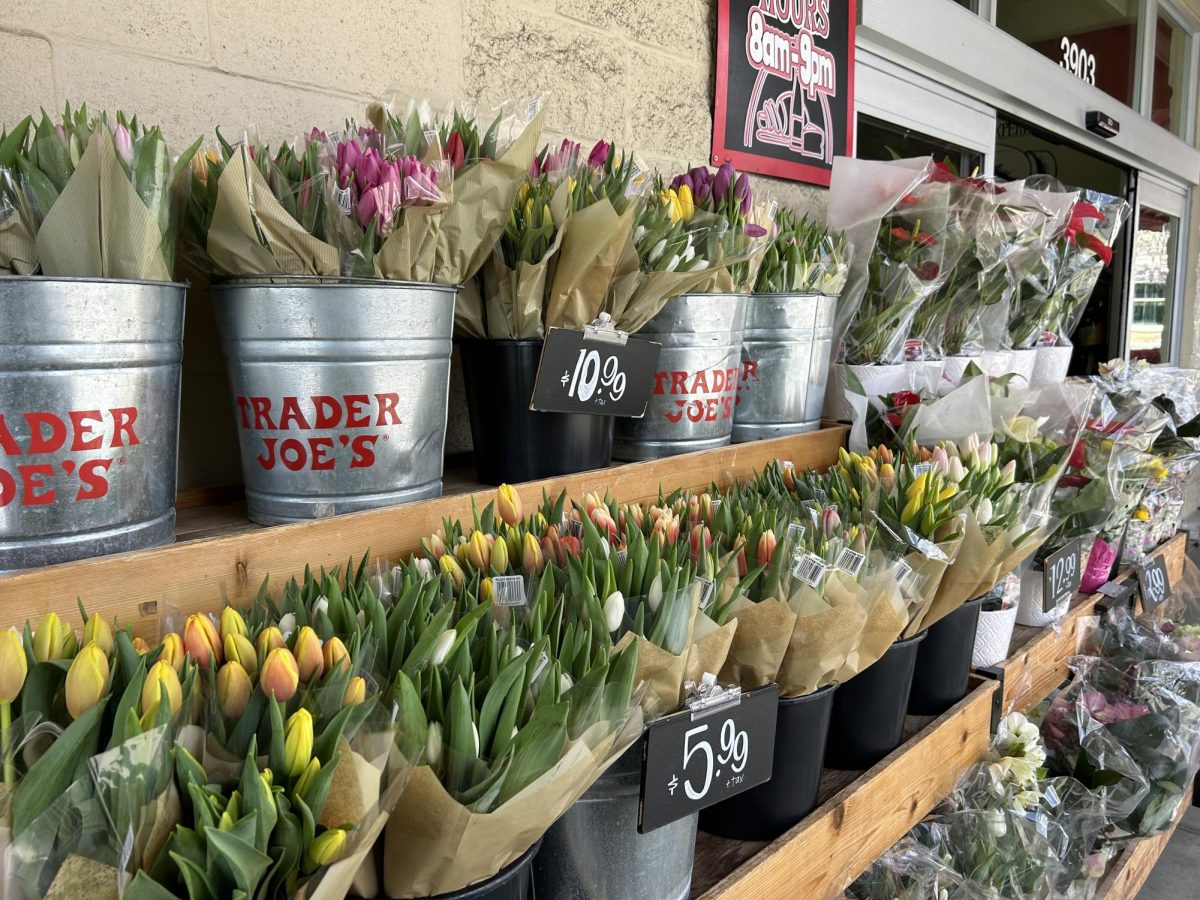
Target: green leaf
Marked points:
143	887
51	775
538	747
13	142
246	864
195	879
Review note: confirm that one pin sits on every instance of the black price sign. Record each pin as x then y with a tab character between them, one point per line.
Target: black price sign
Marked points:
1154	583
597	371
1060	576
696	758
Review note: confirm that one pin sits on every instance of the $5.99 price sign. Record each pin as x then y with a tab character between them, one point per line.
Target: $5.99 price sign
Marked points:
584	374
696	758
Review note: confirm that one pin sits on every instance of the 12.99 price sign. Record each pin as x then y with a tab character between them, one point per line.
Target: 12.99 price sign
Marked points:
1060	576
582	374
694	759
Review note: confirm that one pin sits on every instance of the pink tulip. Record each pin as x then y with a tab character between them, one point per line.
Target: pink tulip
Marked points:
62	134
124	142
599	155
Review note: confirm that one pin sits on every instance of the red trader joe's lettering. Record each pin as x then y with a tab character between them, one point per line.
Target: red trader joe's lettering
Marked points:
721	382
41	434
321	412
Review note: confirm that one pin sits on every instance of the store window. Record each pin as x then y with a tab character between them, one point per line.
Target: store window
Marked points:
1172	57
878	139
1095	40
1155	248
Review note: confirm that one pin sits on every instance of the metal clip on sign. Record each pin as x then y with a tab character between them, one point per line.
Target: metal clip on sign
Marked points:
603	330
709	697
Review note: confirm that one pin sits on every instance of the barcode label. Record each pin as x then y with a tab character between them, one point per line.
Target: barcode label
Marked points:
715	505
707	592
922	468
821	495
622	554
543	660
532	109
850	561
341	197
572	527
814	508
795	533
903	570
787	464
431	138
809	568
508	590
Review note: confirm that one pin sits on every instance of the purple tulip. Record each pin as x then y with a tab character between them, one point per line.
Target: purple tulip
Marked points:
368	170
124	142
741	192
721	183
599	155
754	231
316	136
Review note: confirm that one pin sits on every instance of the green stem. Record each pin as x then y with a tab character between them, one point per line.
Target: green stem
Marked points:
10	774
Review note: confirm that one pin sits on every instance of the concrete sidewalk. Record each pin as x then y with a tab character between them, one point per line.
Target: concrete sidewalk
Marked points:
1178	871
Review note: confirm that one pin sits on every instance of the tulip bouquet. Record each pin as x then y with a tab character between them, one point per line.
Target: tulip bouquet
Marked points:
489	165
386	205
699	231
906	239
90	196
1049	305
565	233
803	257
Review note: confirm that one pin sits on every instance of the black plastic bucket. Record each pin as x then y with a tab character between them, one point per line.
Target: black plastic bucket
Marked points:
512	442
512	883
943	669
767	811
868	710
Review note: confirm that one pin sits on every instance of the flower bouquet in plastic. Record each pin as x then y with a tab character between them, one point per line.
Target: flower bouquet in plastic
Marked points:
911	871
803	257
90	196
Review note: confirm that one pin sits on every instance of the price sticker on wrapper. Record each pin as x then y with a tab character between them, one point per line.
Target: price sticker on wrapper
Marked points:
598	371
508	590
1060	576
720	746
810	569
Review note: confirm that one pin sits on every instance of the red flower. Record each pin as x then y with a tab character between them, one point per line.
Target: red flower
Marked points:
927	271
1078	456
901	399
1095	243
894	419
942	173
1073	481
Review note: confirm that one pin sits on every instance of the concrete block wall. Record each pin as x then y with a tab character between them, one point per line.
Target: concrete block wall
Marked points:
637	71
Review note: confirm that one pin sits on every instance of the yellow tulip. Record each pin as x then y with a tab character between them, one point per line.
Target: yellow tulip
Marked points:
356	692
53	639
450	566
508	505
233	623
947	493
87	680
297	742
238	649
14	666
202	640
486	590
233	689
172	651
304	782
161	675
98	632
140	646
499	560
269	639
687	207
531	555
326	849
335	655
478	551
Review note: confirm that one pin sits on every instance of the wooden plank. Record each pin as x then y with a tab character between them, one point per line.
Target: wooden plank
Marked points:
828	850
1133	866
1038	663
203	574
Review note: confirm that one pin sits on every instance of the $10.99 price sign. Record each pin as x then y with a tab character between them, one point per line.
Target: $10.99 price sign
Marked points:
584	374
1060	576
696	758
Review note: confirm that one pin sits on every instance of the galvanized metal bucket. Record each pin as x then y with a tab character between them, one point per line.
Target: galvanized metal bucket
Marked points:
696	384
89	417
340	390
785	365
594	852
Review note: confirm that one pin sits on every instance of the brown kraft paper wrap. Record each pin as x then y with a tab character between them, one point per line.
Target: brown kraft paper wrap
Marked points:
592	241
515	298
408	253
660	671
252	234
920	589
886	617
435	845
99	227
827	631
481	199
977	557
763	634
18	245
709	648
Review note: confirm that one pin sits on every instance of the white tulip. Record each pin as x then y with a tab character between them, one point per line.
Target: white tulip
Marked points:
442	648
564	683
983	512
475	734
433	745
971	444
425	569
287	624
656	251
322	605
654	598
955	471
614	611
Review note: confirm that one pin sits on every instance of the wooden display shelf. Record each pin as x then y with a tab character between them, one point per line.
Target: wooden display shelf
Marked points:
1130	870
1037	660
228	557
860	816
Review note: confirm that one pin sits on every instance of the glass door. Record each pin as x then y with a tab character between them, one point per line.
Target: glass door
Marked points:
1153	277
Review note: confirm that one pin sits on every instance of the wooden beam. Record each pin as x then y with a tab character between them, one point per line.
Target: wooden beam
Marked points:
1133	866
833	845
138	588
